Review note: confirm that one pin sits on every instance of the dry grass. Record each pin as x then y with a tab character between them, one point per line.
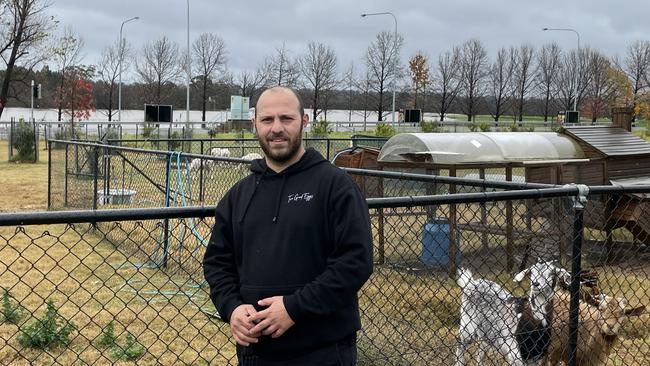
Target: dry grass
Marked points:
93	282
23	187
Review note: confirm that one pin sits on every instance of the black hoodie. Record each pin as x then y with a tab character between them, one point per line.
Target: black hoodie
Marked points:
304	234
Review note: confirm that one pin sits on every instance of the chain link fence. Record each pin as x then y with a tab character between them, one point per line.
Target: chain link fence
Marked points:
239	147
89	175
126	285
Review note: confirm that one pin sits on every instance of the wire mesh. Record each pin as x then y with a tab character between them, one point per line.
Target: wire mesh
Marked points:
145	277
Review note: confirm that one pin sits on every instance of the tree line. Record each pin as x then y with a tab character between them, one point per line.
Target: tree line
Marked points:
517	81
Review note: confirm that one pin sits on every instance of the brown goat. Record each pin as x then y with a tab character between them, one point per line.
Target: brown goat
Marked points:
597	330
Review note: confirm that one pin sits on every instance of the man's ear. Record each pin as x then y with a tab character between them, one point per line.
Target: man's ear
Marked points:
253	126
305	120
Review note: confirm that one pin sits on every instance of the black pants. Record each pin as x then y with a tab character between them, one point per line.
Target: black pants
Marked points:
342	353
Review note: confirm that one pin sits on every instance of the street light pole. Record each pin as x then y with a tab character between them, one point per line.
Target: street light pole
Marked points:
575	84
187	62
395	47
119	84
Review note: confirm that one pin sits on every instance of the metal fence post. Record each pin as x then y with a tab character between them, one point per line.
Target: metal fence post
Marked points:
453	230
65	178
576	264
200	175
35	141
49	174
510	241
95	173
166	221
11	139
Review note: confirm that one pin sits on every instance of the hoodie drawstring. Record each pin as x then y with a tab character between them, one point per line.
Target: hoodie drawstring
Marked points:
277	207
250	199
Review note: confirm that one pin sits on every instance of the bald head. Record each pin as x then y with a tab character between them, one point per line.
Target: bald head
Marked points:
281	90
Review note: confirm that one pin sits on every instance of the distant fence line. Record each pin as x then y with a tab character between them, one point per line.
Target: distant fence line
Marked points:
93	130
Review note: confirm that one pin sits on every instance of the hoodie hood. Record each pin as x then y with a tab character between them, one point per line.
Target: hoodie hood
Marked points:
262	172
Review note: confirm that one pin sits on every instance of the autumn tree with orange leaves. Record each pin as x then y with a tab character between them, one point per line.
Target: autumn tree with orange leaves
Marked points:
419	72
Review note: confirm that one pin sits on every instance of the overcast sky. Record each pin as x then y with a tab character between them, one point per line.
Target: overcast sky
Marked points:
253	29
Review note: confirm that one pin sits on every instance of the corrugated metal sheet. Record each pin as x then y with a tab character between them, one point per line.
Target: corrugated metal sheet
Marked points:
610	141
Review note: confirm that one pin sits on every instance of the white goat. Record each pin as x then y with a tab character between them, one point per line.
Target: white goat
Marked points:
244	168
598	328
219	152
252	156
491	316
195	165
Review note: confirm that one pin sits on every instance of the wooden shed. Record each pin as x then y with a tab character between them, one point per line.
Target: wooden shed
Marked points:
612	153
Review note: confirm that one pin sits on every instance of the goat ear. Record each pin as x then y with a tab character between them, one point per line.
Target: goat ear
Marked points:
635	311
564	276
520	276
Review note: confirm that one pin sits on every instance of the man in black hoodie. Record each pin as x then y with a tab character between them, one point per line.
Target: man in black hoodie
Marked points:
290	249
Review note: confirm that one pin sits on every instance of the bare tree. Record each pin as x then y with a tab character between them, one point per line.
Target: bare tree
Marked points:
108	71
318	67
637	68
602	87
363	85
500	81
349	80
159	68
67	55
447	80
573	64
523	77
284	71
251	82
548	61
210	57
382	60
24	29
473	69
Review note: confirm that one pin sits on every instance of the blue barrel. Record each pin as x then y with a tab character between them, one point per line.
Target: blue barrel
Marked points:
435	244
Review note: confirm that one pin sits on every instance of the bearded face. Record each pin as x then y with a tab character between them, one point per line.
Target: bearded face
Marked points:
281	146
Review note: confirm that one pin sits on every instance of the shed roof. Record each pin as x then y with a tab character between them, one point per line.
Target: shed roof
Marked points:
479	147
610	141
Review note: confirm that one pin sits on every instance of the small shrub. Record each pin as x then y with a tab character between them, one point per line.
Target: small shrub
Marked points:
47	333
67	133
148	130
107	339
23	141
429	127
484	127
174	144
111	133
11	313
473	126
513	127
384	130
130	351
321	128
